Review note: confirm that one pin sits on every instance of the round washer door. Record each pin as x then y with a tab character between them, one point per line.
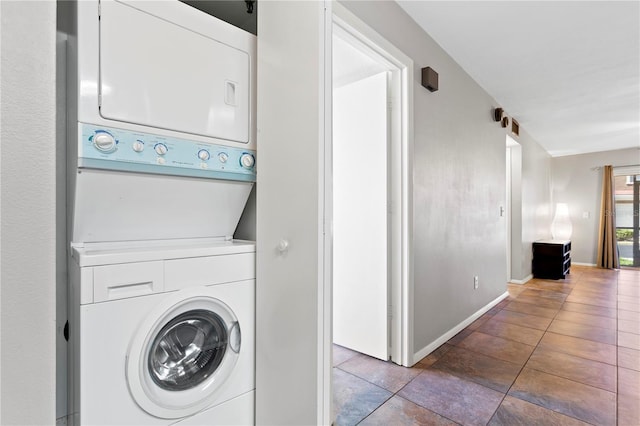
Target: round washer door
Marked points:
181	354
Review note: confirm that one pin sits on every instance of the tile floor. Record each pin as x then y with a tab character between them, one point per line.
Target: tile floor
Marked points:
563	352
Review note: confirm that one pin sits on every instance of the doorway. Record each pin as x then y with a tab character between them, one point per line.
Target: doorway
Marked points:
515	273
371	239
627	205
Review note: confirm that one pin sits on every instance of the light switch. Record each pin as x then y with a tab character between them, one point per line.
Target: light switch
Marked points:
586	215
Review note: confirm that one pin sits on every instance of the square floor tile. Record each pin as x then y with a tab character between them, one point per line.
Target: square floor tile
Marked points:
385	374
526	335
484	370
400	412
590	309
497	347
575	297
428	360
628	306
459	337
546	293
528	308
629	315
629	382
592	373
588	349
354	398
628	410
524	320
586	403
514	411
557	286
629	340
629	326
628	358
342	354
634	300
582	331
587	319
539	301
460	400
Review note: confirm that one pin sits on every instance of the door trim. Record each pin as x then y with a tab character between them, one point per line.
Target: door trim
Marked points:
401	189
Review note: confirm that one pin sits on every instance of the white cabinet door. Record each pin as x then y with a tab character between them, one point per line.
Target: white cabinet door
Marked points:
292	351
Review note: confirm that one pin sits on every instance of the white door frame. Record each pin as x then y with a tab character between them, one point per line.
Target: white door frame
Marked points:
401	179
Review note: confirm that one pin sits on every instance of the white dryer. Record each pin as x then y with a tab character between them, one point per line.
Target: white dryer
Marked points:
163	333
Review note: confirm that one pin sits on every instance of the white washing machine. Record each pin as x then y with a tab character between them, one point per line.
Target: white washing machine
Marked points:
163	333
161	162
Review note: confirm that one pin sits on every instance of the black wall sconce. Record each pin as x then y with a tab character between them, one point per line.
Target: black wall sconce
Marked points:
430	79
501	117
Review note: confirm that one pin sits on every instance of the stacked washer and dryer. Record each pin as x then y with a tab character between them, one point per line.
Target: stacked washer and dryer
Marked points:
161	161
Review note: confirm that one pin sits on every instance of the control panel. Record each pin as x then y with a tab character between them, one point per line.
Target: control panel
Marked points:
126	150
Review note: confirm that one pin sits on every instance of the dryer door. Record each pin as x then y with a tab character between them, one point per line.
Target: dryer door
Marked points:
182	354
157	71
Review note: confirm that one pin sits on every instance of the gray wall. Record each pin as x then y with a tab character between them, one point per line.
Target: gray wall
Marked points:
577	183
459	183
28	212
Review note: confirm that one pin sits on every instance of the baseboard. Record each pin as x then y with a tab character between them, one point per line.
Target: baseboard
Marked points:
583	264
417	356
524	281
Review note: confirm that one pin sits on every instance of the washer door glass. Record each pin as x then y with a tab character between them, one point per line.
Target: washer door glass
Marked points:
187	350
184	350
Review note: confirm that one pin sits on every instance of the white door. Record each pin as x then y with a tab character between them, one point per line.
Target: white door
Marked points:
360	219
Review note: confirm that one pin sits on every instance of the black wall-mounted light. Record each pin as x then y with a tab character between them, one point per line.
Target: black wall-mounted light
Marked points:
249	5
430	79
497	114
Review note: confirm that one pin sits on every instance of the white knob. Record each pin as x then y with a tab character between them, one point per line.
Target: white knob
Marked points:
247	161
204	155
104	141
138	146
283	246
223	157
161	149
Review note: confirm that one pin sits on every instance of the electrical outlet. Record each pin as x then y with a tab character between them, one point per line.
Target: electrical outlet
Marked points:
475	282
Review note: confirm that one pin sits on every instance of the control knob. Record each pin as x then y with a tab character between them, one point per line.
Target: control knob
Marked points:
104	141
223	157
204	155
247	160
160	148
138	146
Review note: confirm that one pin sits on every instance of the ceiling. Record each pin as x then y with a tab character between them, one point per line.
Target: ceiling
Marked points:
568	71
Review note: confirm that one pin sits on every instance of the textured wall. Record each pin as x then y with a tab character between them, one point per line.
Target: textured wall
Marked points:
28	209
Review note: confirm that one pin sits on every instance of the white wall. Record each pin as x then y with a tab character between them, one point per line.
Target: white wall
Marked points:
28	208
459	183
577	183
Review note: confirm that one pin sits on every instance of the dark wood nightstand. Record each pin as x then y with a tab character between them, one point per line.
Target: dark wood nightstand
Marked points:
551	259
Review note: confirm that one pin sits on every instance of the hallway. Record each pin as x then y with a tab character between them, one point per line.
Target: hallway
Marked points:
563	352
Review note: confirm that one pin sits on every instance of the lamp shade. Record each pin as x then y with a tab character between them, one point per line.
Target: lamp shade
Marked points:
561	225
